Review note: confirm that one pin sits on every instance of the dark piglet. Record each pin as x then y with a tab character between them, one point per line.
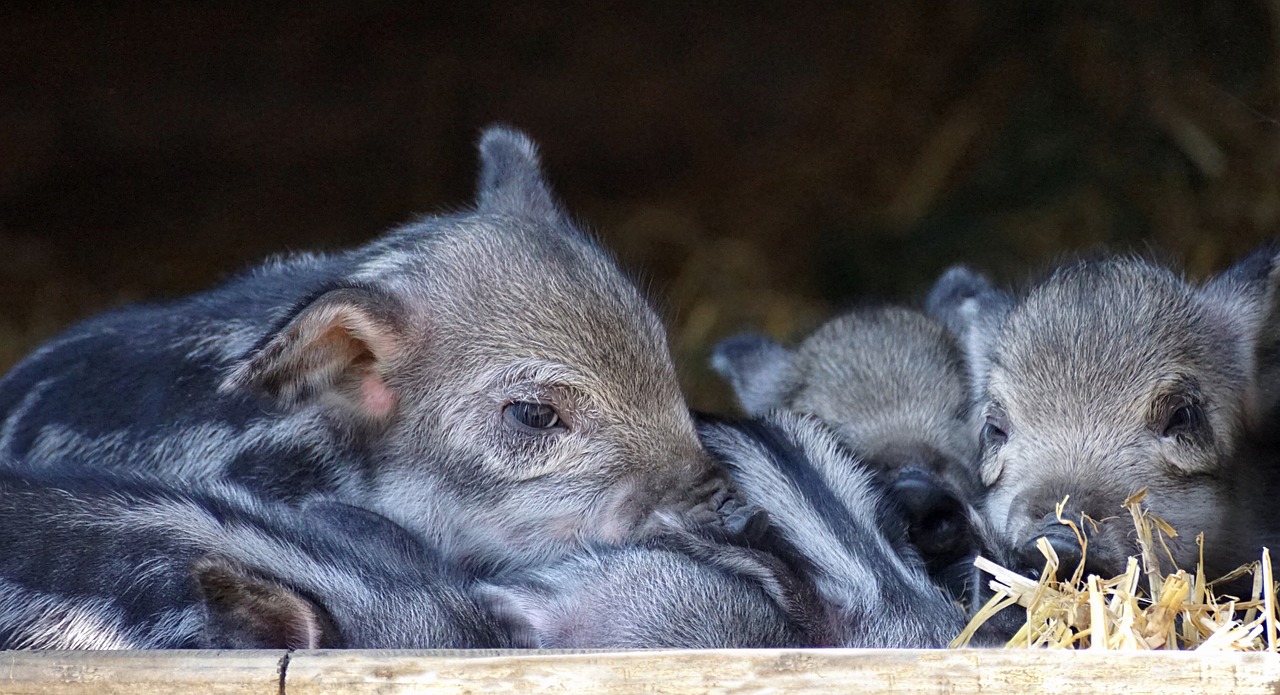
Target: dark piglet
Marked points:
891	382
127	563
839	529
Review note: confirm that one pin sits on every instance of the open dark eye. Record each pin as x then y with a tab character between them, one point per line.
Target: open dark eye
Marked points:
531	416
1185	418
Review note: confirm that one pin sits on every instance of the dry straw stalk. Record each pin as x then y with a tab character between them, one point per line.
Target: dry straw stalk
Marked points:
1143	608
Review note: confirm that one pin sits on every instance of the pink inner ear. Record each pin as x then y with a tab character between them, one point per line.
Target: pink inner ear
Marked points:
377	398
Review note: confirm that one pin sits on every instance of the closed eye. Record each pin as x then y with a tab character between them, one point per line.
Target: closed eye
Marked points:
993	435
995	429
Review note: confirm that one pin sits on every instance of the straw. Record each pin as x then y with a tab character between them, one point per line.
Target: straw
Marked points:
1171	609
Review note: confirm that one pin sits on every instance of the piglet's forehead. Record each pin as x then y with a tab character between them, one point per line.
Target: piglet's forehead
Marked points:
1110	330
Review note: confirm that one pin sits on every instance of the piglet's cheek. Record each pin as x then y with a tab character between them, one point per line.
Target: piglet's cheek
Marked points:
377	398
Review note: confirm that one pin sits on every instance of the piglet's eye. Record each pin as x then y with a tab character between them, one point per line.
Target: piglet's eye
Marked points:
992	435
533	417
1185	418
995	431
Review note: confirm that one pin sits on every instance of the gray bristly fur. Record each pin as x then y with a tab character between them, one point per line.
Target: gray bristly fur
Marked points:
891	381
687	588
96	562
647	596
831	570
1115	375
839	531
383	376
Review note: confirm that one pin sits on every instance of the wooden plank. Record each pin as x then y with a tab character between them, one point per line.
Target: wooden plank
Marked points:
783	671
141	672
728	672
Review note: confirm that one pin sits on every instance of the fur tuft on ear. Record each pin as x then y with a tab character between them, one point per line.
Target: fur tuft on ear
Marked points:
511	179
973	310
336	347
248	611
759	370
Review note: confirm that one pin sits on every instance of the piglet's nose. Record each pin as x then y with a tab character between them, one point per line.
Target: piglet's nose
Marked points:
936	516
1063	541
920	493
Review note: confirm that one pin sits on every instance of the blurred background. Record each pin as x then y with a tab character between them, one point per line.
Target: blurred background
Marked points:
758	168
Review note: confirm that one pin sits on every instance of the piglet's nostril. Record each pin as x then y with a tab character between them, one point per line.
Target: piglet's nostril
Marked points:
1064	543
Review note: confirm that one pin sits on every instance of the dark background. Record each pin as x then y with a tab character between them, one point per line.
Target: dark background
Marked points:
758	167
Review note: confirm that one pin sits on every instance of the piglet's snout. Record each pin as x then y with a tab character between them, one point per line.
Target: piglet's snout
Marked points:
1064	542
708	501
937	517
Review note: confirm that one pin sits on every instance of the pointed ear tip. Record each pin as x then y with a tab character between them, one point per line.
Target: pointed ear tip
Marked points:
727	352
963	279
1262	265
245	376
499	139
956	285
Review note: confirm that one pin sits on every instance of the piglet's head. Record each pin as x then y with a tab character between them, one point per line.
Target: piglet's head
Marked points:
515	390
1108	377
891	382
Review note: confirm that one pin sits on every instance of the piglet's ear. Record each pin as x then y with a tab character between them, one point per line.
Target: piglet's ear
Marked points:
511	180
248	611
1251	276
973	310
759	370
1244	295
1245	300
335	348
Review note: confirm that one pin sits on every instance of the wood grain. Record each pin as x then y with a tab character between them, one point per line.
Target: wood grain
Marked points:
730	672
141	672
786	671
